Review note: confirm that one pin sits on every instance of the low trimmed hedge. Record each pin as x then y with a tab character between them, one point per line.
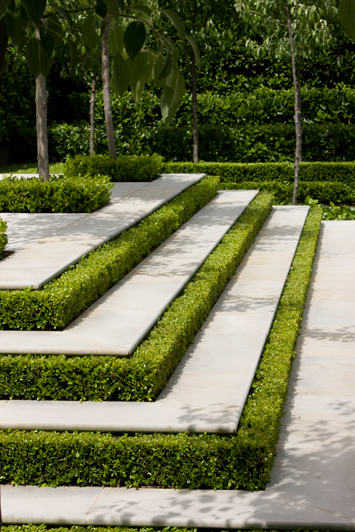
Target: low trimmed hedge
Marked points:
323	191
90	528
3	235
125	168
144	375
56	195
63	299
229	173
242	461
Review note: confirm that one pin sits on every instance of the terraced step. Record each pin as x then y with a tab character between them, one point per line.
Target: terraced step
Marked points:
118	321
41	261
209	388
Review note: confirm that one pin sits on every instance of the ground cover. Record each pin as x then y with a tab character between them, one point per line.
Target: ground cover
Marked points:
31	168
144	375
3	236
243	460
45	528
63	194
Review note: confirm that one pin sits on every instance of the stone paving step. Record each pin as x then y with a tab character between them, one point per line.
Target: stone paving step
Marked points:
312	481
124	315
43	260
208	390
25	228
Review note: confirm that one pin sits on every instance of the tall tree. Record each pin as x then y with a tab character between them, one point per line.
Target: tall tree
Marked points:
294	29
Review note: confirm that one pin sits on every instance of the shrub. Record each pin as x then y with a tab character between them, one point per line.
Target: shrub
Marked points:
56	195
3	236
145	374
64	298
129	168
183	460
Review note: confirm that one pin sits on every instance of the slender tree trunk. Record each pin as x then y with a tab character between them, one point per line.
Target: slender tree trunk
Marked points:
297	116
92	116
4	39
41	126
300	109
107	90
194	108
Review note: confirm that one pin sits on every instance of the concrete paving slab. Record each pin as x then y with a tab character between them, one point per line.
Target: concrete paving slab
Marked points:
150	287
208	390
49	256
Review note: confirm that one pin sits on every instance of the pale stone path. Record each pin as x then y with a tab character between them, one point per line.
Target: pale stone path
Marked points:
208	390
25	228
312	482
118	321
46	258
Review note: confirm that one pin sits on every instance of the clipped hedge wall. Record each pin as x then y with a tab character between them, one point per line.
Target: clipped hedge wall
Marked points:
128	168
3	235
184	460
144	375
323	191
260	172
64	298
57	195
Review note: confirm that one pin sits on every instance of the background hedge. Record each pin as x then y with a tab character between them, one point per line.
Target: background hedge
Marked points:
55	195
144	375
129	168
3	236
193	461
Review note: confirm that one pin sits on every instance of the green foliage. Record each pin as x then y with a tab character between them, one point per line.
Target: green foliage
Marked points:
338	212
184	460
144	375
45	528
63	194
231	173
126	168
64	298
323	191
3	236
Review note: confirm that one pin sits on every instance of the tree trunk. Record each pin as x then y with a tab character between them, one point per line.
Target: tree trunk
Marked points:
4	39
107	90
194	108
297	117
300	109
41	126
92	116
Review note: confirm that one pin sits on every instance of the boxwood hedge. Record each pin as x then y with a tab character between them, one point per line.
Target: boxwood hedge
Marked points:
63	299
124	168
56	195
3	236
145	374
343	172
184	460
44	528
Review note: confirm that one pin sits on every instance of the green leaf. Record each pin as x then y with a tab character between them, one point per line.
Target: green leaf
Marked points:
47	42
137	68
3	7
166	68
88	60
35	8
346	12
175	20
157	69
120	75
74	57
101	8
16	26
115	5
195	49
63	12
134	38
171	95
142	9
89	33
37	58
115	38
55	29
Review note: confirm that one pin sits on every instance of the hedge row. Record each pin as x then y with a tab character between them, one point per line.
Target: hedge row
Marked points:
56	195
129	168
323	191
63	299
184	460
261	172
78	528
3	236
144	375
